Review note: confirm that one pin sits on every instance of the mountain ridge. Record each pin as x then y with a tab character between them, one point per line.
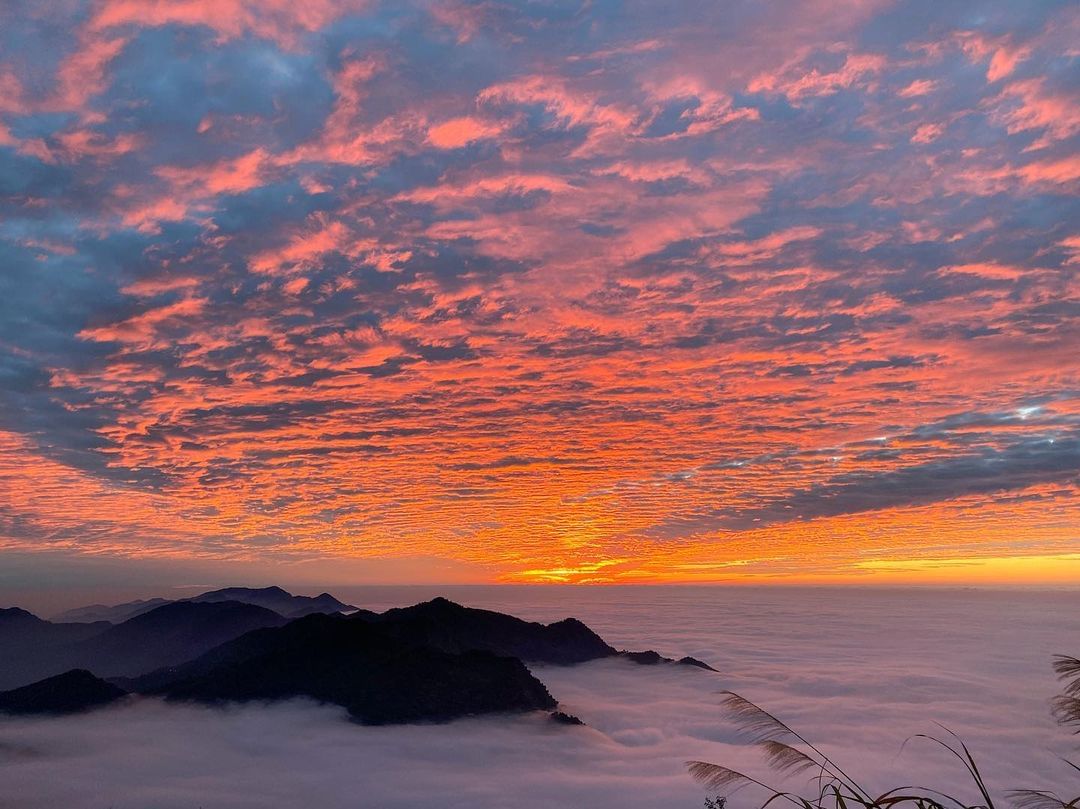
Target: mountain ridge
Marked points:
377	678
273	597
432	661
71	692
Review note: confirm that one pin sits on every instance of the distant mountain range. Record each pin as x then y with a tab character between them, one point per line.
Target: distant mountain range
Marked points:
433	661
272	598
173	633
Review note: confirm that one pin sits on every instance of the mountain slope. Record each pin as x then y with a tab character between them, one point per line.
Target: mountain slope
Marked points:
272	598
31	649
168	635
115	614
378	678
450	627
76	690
18	625
433	660
277	599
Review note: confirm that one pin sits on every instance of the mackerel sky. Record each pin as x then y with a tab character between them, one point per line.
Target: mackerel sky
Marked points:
542	291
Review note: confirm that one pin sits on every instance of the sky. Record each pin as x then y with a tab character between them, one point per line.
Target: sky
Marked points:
540	291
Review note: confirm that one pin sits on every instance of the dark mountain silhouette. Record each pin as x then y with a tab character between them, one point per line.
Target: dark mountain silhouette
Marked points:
169	635
693	661
76	690
433	661
114	615
16	617
272	598
565	718
33	649
450	627
377	677
651	658
444	625
278	600
18	625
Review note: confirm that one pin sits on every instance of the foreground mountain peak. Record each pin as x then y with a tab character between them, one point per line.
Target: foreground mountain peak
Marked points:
451	627
70	692
13	615
377	677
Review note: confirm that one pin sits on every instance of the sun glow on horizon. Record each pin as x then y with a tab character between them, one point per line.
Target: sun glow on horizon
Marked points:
1048	570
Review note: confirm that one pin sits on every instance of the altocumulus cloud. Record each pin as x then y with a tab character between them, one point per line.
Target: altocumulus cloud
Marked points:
1015	466
234	234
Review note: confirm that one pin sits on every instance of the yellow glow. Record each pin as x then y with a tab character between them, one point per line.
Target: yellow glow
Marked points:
569	574
1043	570
1058	569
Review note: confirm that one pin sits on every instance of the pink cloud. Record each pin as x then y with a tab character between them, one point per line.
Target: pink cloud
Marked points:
1055	172
141	330
655	170
927	133
1071	246
711	109
346	137
280	20
794	82
1028	105
573	107
988	270
457	132
320	235
919	87
228	176
1004	61
1003	54
761	249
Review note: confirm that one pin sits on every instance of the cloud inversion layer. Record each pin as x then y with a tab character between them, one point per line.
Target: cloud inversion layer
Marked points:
824	660
564	291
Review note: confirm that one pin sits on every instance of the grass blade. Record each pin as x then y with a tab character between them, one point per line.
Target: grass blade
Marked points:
787	759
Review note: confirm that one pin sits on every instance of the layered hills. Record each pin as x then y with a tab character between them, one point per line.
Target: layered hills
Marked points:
430	662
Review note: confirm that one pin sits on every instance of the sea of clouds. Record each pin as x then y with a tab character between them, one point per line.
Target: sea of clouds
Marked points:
857	671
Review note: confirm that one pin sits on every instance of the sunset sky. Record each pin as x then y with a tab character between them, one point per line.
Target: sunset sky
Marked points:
541	291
